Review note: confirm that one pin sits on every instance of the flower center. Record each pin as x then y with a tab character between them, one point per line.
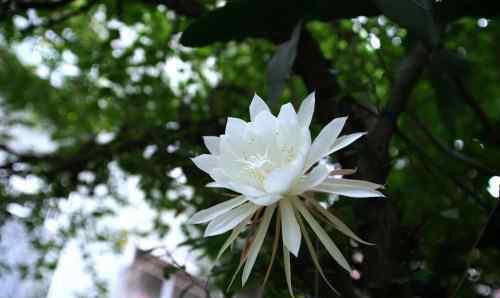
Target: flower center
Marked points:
258	166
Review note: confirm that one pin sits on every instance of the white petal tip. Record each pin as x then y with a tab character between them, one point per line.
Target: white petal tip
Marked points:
209	234
192	221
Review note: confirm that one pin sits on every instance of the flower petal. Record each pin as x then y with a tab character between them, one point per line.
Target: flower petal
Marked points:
288	270
350	188
222	180
230	219
322	235
349	191
337	223
314	255
257	243
215	185
264	122
256	106
236	232
345	141
314	178
277	237
290	227
265	200
206	162
353	183
214	211
287	116
235	127
306	110
323	142
279	180
212	144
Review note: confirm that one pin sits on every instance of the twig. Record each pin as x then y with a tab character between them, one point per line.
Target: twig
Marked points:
457	182
452	153
180	268
478	238
472	102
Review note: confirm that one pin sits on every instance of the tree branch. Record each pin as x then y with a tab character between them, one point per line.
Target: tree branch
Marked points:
381	222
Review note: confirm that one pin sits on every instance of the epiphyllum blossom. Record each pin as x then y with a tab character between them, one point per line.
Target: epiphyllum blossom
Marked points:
271	162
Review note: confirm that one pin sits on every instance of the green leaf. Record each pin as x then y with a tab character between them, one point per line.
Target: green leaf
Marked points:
241	19
280	66
414	15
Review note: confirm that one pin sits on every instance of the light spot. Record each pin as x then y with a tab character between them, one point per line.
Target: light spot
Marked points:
473	274
482	22
18	210
458	144
496	293
105	137
483	290
397	41
494	185
374	41
355	274
358	257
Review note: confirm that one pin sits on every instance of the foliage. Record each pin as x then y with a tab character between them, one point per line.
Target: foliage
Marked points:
420	77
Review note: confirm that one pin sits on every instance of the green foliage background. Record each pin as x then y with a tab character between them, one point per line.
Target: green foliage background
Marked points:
436	188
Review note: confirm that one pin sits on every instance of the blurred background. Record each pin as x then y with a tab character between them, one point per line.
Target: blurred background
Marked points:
103	103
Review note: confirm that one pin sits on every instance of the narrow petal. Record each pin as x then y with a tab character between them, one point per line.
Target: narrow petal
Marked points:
345	141
215	185
349	191
353	183
314	178
256	106
337	223
257	243
343	172
306	110
277	232
236	232
230	219
322	235
206	162
290	227
288	270
323	142
214	211
265	200
314	255
212	144
243	259
350	188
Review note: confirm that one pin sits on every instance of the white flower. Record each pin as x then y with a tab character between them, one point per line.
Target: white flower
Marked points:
271	162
